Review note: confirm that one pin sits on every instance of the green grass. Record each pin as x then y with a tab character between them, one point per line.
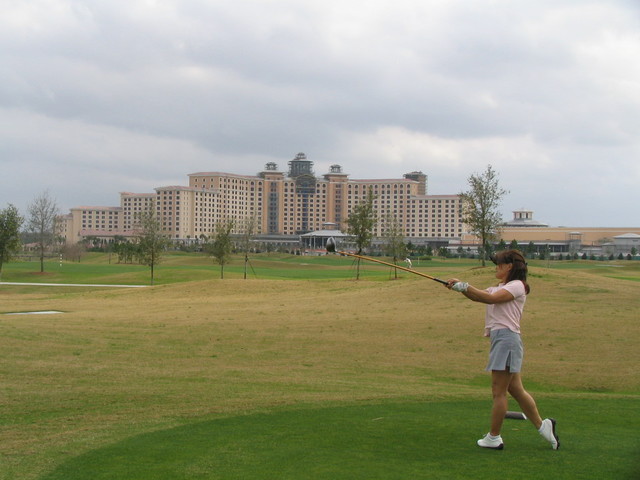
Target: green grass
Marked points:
426	440
71	272
302	372
181	267
620	269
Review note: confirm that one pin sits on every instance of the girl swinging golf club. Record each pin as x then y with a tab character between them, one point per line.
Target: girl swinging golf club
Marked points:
505	304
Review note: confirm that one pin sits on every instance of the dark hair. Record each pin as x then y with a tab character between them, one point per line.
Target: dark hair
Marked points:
518	270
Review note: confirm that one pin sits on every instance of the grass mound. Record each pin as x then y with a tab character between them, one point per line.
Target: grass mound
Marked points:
388	441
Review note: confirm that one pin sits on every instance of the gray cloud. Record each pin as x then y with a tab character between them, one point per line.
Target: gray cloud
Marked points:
114	96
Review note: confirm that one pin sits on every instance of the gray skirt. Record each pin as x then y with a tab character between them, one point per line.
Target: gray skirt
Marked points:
506	351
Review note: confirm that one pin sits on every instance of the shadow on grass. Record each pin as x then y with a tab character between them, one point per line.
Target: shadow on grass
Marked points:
431	440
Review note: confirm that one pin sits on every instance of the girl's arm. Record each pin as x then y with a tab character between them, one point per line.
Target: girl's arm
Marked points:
482	296
477	295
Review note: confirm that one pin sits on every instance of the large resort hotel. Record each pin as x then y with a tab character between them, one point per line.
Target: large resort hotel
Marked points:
281	204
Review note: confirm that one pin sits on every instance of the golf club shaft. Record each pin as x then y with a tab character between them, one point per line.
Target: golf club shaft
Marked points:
394	266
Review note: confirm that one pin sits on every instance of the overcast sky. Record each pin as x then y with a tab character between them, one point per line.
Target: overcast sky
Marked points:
103	96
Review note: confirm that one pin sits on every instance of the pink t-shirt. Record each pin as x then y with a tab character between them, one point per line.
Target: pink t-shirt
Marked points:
507	314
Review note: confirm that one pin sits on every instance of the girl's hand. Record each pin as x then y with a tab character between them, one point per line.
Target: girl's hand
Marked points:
460	287
451	282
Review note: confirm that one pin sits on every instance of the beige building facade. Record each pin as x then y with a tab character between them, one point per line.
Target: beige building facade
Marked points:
279	203
297	202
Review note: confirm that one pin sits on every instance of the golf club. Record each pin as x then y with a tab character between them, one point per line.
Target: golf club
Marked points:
331	248
515	415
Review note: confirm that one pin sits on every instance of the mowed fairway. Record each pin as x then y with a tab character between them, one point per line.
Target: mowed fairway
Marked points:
319	378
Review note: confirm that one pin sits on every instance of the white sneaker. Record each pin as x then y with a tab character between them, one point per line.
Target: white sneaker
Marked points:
488	442
548	431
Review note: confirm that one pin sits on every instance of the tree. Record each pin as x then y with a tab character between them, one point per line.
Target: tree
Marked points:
220	247
125	251
74	252
531	249
410	247
10	224
361	224
480	207
393	235
114	246
248	231
545	254
152	243
43	212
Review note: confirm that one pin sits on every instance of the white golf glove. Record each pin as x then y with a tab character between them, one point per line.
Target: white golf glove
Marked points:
460	286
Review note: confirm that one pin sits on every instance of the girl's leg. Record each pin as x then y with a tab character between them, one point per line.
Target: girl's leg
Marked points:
525	400
500	381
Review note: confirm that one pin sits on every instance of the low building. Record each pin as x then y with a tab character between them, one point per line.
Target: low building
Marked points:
530	233
627	244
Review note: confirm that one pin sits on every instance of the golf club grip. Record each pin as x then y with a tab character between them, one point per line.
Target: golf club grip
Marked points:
394	266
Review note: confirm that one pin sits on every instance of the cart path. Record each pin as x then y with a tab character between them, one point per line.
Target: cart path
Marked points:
73	285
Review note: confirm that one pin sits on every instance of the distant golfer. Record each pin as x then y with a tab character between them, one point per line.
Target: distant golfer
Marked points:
505	304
